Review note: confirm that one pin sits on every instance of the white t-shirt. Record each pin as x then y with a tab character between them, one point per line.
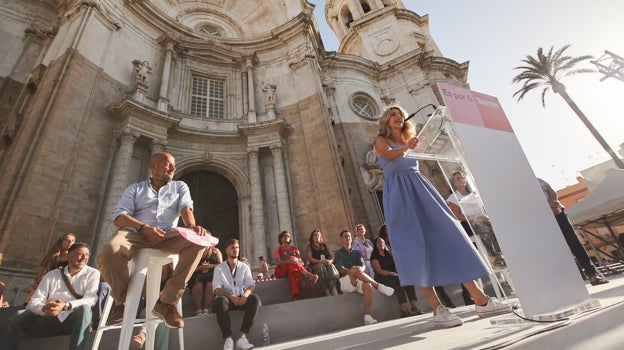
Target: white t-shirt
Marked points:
470	206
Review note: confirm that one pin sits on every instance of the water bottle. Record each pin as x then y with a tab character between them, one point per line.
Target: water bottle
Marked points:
266	339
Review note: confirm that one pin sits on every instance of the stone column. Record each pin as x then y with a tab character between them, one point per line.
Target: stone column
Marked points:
257	210
163	100
251	115
281	189
119	181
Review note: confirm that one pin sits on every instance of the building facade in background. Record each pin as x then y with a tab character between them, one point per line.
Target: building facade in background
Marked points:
270	131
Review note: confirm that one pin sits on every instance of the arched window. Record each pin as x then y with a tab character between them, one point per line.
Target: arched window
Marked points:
346	16
364	106
209	29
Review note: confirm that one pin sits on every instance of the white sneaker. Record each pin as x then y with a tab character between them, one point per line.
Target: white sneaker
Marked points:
368	319
243	344
444	318
385	289
493	307
229	344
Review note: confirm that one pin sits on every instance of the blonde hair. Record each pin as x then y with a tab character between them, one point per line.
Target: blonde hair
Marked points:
407	132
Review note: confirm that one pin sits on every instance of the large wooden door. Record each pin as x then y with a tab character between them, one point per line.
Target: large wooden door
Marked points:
215	203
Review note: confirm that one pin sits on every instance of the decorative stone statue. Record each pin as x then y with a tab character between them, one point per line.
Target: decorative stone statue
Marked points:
142	69
269	90
371	158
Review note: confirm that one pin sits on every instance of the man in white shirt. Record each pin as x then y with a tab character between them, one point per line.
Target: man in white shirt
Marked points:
233	288
56	307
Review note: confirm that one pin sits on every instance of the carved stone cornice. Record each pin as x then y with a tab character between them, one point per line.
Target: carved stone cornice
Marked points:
102	14
446	66
265	134
41	32
148	121
278	126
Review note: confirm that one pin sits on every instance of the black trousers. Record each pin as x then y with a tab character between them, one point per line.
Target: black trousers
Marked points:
575	245
221	306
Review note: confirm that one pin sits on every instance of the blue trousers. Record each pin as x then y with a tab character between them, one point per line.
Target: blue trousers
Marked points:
27	323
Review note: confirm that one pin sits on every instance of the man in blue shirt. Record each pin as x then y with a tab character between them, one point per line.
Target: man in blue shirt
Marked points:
350	264
147	215
233	288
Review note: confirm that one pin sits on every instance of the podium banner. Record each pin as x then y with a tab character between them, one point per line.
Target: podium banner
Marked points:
542	267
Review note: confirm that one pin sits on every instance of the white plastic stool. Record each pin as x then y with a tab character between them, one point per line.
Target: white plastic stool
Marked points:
146	262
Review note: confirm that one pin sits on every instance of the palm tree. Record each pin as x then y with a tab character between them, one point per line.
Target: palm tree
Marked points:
546	70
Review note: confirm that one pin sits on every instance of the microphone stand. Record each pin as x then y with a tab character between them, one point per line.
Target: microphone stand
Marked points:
420	109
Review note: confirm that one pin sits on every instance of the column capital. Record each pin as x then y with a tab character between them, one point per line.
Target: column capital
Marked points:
158	145
128	135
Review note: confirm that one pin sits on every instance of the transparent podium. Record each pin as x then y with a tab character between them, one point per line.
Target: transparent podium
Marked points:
441	145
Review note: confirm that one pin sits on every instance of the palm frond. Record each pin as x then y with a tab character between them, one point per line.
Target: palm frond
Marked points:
545	69
546	89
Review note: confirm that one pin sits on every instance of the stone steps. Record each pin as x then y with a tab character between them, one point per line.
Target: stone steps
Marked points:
287	320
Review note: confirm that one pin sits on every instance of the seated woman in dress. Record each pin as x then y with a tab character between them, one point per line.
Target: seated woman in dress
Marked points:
289	264
200	284
365	246
322	263
385	273
56	257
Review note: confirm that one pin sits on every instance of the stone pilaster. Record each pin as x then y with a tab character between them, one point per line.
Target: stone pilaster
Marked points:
281	189
257	210
119	181
251	114
163	100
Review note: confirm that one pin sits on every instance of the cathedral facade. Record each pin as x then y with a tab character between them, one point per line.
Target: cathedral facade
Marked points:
270	131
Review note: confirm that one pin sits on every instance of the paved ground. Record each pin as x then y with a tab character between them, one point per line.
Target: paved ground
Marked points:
598	328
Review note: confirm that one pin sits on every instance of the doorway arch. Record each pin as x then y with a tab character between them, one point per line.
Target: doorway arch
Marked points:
215	203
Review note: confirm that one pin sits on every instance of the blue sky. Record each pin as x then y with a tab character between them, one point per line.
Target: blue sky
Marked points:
494	36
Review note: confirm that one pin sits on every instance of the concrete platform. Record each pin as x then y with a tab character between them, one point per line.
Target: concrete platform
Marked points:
601	329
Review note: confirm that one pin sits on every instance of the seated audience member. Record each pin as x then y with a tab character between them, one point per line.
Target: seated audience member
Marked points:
289	264
365	246
147	215
263	270
233	289
350	265
321	262
200	284
61	304
56	257
385	273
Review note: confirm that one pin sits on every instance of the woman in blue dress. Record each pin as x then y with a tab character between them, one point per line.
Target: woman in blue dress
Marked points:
429	244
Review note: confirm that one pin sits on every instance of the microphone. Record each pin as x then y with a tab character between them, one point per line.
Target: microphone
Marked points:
420	109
